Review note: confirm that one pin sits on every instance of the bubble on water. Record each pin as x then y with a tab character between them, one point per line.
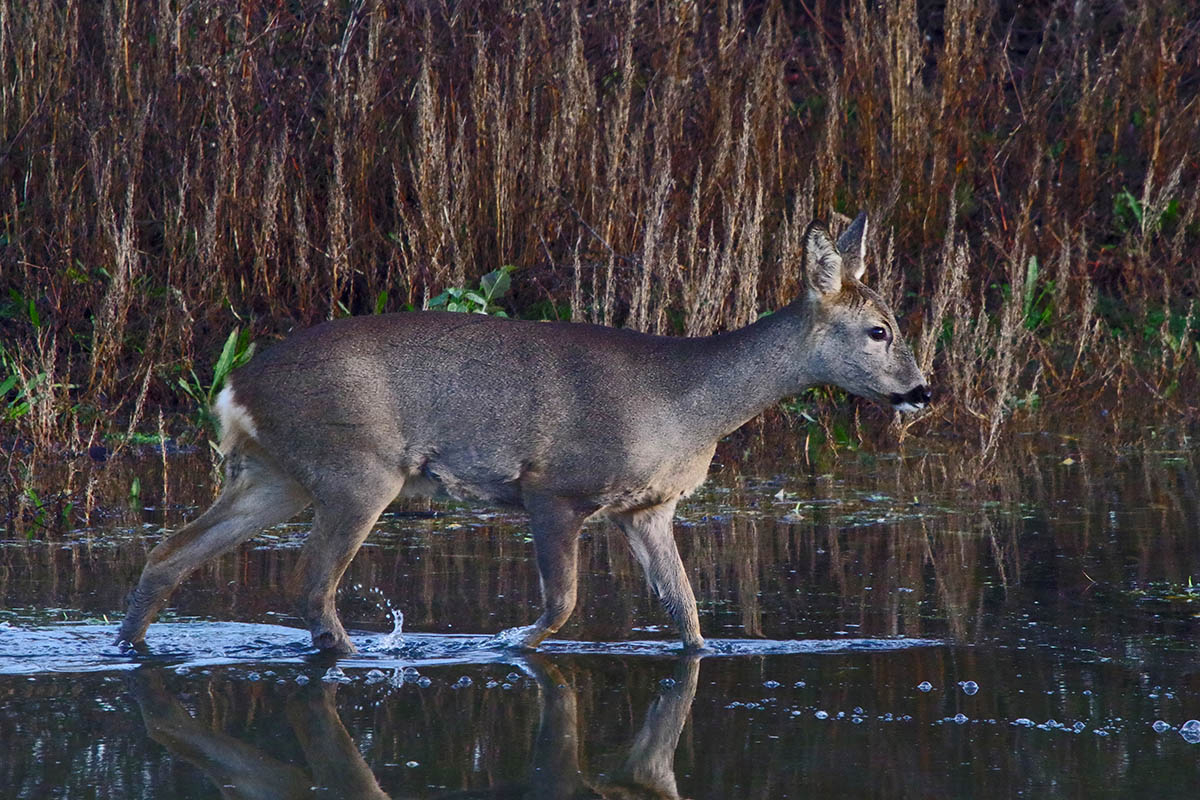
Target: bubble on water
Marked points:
1050	724
301	679
856	720
253	676
822	715
335	675
1160	726
462	682
491	684
1099	732
182	670
513	677
799	685
796	712
376	676
1079	727
1190	731
969	687
411	764
1024	722
667	683
925	686
424	682
858	711
410	674
771	684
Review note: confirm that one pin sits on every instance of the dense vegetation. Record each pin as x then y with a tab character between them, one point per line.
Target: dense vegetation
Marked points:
177	180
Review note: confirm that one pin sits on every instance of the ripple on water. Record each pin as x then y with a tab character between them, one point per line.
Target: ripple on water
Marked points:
90	648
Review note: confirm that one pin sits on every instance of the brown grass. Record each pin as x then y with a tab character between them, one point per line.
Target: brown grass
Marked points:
168	174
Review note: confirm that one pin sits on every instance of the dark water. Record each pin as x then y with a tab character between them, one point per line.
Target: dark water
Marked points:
879	627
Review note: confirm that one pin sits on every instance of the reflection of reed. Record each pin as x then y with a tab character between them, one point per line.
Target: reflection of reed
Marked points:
335	764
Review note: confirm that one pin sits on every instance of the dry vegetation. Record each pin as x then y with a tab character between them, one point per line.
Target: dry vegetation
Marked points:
169	173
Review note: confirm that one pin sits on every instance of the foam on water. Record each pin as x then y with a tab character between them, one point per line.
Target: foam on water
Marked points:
89	648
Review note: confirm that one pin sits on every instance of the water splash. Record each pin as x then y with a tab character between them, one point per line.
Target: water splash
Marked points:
188	645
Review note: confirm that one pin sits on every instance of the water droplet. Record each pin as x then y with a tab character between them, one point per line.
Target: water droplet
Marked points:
1190	731
253	676
375	676
667	683
462	682
969	687
411	764
858	710
513	677
960	718
772	684
799	685
1024	722
335	675
925	686
423	682
1079	727
1160	726
822	715
301	679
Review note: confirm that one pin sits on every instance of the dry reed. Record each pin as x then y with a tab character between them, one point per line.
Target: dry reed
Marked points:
168	174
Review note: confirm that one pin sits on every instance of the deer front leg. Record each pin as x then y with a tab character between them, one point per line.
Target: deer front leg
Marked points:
555	526
652	540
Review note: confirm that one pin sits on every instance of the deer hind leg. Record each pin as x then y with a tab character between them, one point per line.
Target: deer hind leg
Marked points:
257	495
345	514
652	540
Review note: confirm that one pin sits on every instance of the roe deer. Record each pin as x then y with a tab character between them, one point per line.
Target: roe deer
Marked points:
564	420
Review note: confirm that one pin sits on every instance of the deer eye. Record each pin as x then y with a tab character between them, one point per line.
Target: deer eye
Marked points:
878	334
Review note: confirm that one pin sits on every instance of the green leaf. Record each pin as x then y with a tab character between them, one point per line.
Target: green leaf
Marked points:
224	362
381	301
497	283
11	381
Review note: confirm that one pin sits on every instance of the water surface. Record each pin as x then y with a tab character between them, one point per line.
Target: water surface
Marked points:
879	626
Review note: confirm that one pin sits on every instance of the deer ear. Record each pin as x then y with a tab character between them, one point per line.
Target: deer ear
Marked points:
852	244
822	262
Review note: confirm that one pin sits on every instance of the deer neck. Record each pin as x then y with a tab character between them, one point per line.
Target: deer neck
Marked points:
733	377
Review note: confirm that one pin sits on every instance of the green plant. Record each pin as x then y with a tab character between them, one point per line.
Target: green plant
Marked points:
492	287
237	351
19	387
1038	302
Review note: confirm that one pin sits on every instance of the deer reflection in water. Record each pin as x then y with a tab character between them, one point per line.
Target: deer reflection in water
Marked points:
336	768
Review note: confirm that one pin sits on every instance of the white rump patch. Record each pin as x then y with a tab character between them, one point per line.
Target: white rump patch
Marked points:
233	417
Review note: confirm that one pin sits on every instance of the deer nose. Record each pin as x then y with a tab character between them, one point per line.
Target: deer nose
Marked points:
918	397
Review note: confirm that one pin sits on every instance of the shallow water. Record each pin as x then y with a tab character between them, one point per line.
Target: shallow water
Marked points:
878	627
